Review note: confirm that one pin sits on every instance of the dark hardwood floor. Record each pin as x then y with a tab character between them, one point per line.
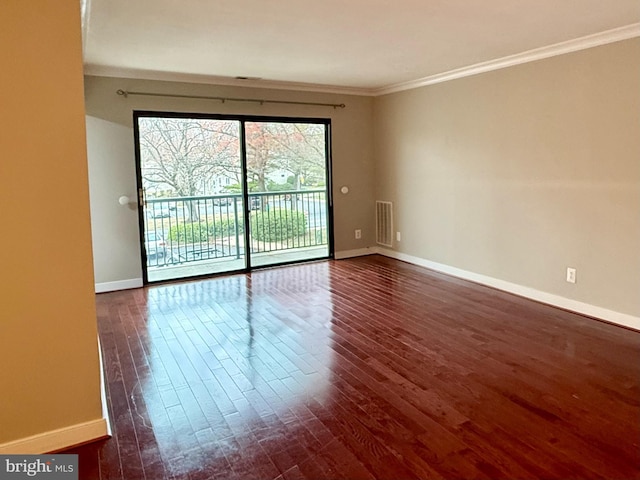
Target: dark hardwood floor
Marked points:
366	368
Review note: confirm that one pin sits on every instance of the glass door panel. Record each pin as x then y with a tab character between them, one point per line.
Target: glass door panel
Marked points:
287	177
192	208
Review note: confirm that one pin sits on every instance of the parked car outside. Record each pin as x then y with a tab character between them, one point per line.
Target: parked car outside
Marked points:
160	212
157	212
155	245
222	201
255	203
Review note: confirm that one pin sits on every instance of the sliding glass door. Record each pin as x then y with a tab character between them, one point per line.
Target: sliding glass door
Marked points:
221	194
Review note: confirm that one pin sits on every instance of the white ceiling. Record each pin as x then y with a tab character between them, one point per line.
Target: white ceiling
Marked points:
363	46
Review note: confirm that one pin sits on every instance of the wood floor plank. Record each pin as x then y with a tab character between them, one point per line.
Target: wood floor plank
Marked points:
367	368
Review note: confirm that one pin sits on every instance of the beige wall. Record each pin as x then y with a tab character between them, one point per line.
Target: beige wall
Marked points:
116	254
49	373
518	173
112	163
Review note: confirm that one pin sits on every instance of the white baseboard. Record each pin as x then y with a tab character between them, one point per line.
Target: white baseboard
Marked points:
605	314
56	440
118	285
354	253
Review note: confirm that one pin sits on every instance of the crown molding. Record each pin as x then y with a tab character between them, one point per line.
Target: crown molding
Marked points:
582	43
105	71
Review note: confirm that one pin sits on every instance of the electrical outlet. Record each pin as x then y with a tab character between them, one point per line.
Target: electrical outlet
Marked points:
571	275
358	234
398	236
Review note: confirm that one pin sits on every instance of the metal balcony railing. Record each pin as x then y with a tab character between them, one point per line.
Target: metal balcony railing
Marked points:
189	229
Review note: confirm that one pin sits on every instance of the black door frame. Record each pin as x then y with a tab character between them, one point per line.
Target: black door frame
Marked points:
242	119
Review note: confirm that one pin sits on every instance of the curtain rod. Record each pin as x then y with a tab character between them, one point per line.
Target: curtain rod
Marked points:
125	94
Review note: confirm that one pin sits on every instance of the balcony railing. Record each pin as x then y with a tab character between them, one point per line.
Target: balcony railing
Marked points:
191	229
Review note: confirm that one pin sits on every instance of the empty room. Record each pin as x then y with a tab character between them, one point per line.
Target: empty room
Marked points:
320	240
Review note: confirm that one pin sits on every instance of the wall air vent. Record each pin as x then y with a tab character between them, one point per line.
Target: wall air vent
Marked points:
384	223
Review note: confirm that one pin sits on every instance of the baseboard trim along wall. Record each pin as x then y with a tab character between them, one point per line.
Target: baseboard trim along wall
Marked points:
360	252
56	440
605	314
118	285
